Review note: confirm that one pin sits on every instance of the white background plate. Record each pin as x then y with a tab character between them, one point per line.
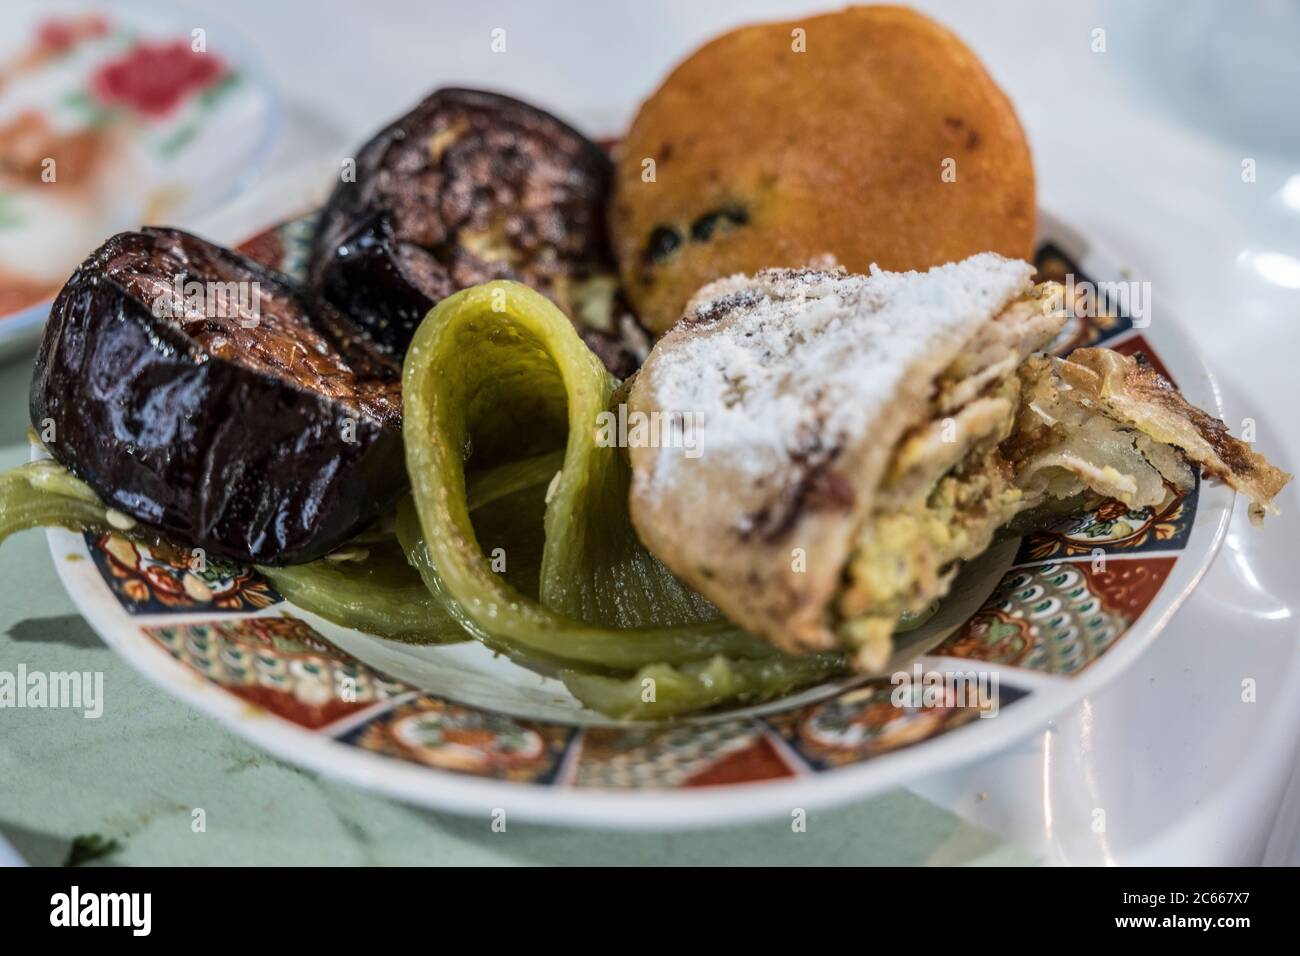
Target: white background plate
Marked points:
225	157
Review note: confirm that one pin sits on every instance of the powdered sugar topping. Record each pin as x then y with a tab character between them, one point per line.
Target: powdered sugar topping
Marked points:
792	364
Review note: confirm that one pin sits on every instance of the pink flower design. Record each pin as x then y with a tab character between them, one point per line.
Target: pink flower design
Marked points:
154	78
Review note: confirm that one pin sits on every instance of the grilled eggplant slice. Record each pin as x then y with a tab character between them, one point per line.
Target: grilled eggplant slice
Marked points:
215	402
467	187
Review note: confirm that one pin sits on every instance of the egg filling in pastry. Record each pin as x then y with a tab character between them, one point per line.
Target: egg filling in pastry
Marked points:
856	438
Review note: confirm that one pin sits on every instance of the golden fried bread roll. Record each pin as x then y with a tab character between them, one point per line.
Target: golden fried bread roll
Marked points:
767	157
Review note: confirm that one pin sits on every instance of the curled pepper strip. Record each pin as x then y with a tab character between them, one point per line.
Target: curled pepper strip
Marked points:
43	494
496	372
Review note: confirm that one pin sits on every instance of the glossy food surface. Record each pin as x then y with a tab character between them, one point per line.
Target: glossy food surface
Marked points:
467	187
263	431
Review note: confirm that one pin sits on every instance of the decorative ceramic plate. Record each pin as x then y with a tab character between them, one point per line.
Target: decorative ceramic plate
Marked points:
109	118
1036	623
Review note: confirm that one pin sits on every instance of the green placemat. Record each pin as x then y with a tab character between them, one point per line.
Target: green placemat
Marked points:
136	774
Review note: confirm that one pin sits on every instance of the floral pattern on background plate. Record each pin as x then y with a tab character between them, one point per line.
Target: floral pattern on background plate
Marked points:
110	118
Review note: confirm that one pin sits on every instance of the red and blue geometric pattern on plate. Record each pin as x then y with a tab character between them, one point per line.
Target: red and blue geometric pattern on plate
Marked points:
285	247
449	736
160	578
1080	331
1058	609
693	754
280	664
1112	527
855	725
1059	618
879	717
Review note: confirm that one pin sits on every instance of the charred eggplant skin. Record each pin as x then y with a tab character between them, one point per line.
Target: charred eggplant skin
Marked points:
217	451
467	187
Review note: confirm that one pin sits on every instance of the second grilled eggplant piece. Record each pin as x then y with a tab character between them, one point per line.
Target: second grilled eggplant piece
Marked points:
467	187
213	401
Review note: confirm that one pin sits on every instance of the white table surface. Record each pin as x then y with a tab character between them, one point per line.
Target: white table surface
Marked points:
1186	772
